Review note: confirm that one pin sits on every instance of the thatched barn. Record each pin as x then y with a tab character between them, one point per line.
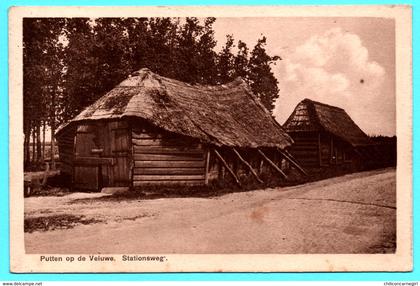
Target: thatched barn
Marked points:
326	136
152	130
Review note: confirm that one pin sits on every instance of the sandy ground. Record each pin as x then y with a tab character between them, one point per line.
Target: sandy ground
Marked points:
349	214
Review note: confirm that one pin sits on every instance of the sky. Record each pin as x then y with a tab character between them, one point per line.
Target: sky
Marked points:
346	62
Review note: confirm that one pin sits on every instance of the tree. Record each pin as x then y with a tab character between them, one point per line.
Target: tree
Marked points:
262	80
187	51
42	69
111	53
195	59
241	61
207	58
81	65
138	40
160	46
33	69
226	61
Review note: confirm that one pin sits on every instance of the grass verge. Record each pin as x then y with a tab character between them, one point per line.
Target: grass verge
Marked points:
47	223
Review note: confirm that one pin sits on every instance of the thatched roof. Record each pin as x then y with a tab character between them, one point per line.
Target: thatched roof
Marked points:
227	114
310	115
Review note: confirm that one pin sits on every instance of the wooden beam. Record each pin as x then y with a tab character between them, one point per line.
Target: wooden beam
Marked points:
168	157
165	142
298	146
248	165
289	158
335	155
272	164
168	171
168	177
227	167
167	183
169	164
206	171
146	136
93	161
166	150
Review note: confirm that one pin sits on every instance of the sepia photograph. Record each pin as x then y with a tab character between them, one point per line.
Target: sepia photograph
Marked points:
188	140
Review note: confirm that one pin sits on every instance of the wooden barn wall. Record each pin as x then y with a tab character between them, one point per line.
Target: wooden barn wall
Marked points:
334	151
65	144
320	149
215	168
166	159
305	149
325	149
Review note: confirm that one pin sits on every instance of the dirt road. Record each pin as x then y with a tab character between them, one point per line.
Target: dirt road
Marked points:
349	214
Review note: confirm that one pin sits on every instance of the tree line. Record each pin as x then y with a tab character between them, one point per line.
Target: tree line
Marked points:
68	63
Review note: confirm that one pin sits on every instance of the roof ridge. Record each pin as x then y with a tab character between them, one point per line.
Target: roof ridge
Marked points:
323	104
144	72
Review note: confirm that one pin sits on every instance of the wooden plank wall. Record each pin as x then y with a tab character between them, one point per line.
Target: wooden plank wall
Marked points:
340	148
305	149
66	151
215	168
313	150
325	149
163	159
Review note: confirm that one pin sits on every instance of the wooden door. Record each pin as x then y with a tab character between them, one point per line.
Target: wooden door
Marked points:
121	154
86	168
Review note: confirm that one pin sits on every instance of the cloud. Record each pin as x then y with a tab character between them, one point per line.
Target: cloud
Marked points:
334	68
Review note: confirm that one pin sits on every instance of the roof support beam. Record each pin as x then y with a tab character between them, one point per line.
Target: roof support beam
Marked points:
248	165
272	164
227	167
292	161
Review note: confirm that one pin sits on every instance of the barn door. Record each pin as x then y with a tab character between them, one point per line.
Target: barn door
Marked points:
121	153
86	169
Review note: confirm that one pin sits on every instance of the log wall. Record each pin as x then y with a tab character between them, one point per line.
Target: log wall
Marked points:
314	149
306	149
166	159
325	149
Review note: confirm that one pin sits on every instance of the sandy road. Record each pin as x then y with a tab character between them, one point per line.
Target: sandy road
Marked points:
350	214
